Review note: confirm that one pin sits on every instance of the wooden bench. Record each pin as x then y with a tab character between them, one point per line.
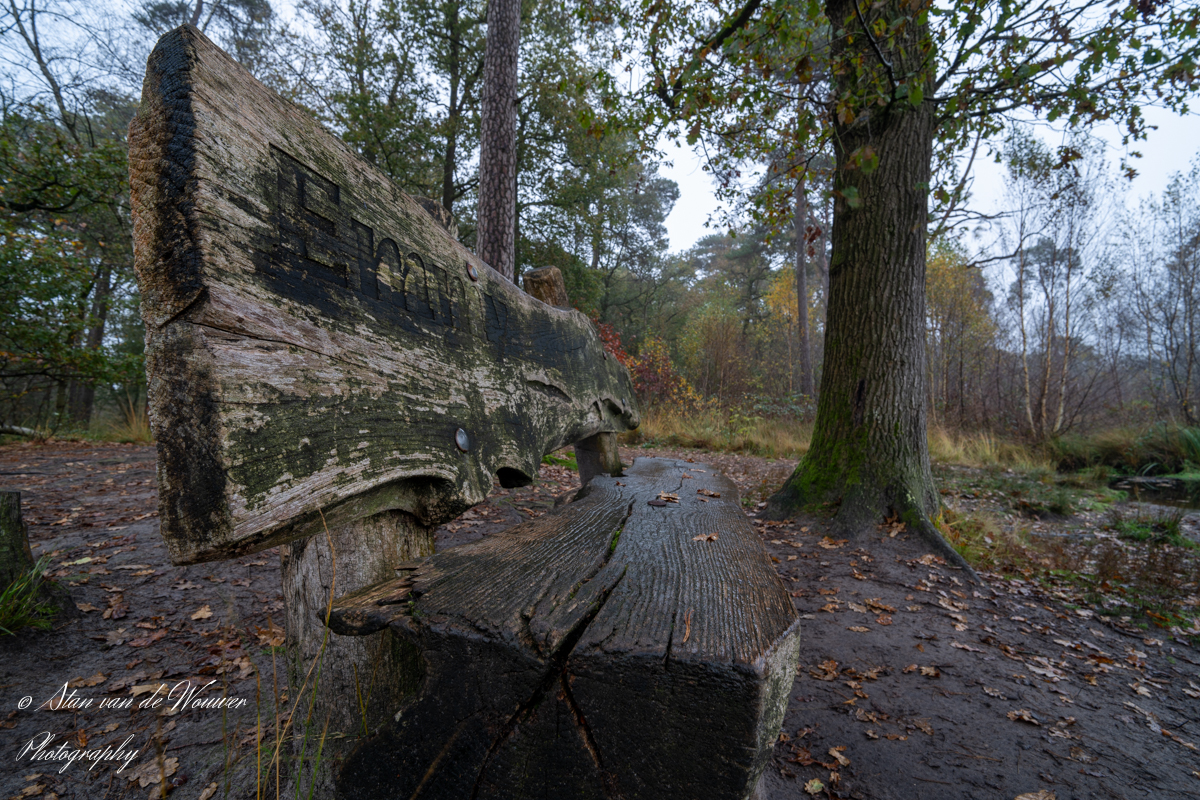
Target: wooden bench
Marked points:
331	371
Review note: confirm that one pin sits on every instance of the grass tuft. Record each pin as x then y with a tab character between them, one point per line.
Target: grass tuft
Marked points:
24	603
1152	525
985	543
133	428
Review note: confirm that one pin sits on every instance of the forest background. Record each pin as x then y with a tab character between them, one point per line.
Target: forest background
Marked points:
1064	320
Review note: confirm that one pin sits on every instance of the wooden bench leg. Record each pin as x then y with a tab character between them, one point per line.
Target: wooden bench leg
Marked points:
597	455
358	679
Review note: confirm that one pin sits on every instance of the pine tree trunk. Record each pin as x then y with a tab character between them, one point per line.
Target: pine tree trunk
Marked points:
450	158
806	374
869	452
357	680
495	240
83	394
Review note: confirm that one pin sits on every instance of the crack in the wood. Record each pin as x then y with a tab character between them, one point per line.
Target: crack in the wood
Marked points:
670	640
608	780
195	301
555	672
283	342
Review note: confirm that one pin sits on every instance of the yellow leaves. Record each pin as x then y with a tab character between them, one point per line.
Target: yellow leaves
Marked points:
204	612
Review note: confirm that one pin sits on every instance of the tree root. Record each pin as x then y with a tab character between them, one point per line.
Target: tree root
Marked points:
861	509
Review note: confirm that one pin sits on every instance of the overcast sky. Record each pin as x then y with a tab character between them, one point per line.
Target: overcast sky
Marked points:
1169	149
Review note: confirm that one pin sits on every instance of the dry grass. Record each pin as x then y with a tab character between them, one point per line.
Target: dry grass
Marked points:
732	431
720	430
133	427
982	449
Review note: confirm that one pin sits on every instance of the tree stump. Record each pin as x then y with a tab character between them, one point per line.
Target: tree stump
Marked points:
16	559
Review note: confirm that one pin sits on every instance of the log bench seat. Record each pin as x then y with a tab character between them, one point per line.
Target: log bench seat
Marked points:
634	643
331	371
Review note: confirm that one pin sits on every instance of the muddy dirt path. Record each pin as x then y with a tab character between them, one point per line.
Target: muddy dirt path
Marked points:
913	683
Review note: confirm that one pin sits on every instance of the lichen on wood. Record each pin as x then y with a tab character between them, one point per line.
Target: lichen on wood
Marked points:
315	340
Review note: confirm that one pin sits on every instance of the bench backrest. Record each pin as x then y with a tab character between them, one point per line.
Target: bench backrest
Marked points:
318	348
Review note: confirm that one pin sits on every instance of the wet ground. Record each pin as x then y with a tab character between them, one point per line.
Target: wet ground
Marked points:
913	682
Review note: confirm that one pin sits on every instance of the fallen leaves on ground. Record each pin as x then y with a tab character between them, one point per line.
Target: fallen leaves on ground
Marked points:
705	537
1022	715
270	636
825	671
96	679
153	772
203	613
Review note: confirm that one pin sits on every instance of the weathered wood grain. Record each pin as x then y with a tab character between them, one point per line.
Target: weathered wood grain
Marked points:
599	651
359	678
599	453
314	339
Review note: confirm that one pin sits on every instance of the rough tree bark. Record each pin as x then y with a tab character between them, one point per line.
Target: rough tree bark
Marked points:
495	239
16	559
869	453
801	222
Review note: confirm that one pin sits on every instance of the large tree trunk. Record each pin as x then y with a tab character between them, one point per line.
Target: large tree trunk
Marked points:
343	687
869	453
495	240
